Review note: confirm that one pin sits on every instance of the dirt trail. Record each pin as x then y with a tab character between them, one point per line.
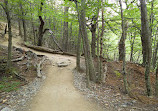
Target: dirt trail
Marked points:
58	92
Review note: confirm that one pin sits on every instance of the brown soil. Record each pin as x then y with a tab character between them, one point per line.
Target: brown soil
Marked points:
136	83
135	75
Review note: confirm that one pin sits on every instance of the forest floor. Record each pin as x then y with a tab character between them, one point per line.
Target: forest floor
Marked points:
111	94
64	88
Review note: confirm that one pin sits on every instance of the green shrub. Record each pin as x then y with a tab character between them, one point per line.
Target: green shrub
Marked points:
118	74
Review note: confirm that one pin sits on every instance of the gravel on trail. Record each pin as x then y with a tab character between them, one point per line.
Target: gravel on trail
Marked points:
17	100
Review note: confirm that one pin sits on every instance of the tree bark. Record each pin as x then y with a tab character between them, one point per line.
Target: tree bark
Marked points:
90	70
122	55
23	22
24	28
132	46
5	31
93	27
65	28
71	46
101	74
93	43
19	24
40	33
154	59
152	17
78	51
156	83
33	27
146	45
5	7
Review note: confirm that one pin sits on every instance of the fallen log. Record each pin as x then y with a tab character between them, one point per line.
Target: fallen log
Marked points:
68	54
51	32
48	50
42	49
14	60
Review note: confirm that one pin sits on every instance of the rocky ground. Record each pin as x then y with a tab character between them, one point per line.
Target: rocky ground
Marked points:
17	100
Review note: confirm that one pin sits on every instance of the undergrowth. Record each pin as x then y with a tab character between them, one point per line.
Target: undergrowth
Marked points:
8	84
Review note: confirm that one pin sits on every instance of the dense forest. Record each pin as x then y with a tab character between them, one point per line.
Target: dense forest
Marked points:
123	31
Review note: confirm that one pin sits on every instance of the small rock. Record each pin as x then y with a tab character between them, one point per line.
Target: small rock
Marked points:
62	64
124	105
4	101
6	109
106	104
118	94
43	77
134	101
119	109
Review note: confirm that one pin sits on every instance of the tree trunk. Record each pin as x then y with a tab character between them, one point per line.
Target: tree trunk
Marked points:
40	33
146	44
78	51
122	55
102	77
98	57
5	7
5	31
90	70
19	24
132	46
23	22
152	17
154	59
34	33
93	27
65	28
93	43
24	28
156	83
71	46
33	27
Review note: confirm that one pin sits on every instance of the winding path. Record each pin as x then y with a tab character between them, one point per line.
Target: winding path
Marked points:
58	92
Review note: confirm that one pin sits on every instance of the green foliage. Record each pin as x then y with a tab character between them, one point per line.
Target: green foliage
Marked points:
118	74
8	84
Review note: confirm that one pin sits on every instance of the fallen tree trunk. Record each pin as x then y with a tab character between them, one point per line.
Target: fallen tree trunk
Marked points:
48	50
51	32
14	60
42	49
